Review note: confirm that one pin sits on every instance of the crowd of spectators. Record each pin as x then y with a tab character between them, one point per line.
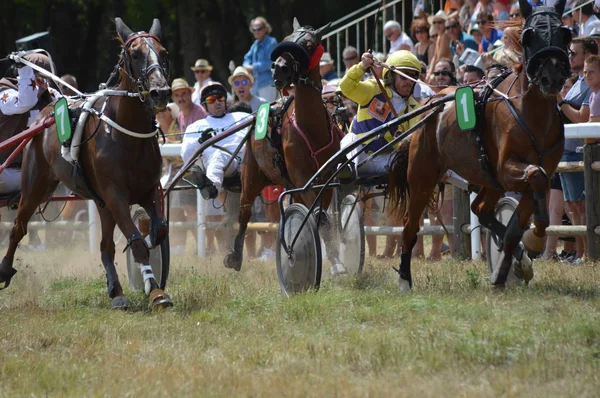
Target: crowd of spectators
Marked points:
465	43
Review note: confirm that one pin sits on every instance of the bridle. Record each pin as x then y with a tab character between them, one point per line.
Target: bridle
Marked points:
297	76
125	64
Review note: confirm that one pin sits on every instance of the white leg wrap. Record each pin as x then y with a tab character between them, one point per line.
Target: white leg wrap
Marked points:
147	274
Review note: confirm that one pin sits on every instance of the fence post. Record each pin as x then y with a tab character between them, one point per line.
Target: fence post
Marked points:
591	153
462	216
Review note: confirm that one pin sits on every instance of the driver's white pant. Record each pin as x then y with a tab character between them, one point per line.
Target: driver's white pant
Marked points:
377	165
10	180
215	165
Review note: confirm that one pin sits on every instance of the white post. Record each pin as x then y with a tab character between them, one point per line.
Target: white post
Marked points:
475	233
201	225
94	227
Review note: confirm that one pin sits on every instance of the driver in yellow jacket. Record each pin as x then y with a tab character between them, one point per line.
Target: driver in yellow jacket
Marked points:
374	110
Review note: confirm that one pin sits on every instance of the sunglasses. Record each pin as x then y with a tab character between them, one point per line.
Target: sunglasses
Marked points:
515	15
201	71
421	31
257	29
452	26
351	58
413	76
482	22
443	73
211	99
238	83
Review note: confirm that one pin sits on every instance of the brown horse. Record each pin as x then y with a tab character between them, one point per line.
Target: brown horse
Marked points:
119	169
308	136
515	147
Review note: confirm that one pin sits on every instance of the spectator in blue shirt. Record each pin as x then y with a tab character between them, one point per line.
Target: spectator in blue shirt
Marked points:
258	59
459	40
490	35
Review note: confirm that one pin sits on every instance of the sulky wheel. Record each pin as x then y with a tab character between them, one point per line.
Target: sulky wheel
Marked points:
159	256
504	211
352	235
300	270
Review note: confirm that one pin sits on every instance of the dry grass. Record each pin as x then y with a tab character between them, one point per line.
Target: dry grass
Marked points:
234	334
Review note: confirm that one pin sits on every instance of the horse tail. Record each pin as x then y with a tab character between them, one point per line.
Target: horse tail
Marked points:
398	177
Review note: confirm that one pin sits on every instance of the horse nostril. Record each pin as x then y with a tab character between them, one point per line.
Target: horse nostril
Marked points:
157	93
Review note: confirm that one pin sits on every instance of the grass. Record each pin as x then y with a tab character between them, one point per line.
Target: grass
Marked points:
235	334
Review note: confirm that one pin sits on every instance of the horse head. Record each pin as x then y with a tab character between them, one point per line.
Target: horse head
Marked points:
144	61
297	55
545	43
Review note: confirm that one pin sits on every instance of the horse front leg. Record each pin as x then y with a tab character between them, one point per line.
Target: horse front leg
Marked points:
119	208
107	254
533	181
159	229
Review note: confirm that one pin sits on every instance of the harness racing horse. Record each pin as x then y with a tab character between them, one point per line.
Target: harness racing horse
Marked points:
515	146
307	138
120	161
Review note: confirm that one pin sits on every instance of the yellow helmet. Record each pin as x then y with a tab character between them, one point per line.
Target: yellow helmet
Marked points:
403	59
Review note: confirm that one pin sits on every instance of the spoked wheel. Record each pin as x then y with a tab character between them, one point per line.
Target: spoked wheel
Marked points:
300	270
159	256
504	211
352	235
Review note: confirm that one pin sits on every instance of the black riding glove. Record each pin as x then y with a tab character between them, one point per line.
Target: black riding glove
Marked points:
205	135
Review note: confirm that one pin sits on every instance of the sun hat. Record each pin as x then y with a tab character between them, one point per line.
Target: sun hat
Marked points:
240	71
179	84
326	59
201	64
440	15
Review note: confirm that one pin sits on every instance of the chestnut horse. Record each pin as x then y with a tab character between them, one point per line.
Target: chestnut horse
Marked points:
308	136
119	168
515	147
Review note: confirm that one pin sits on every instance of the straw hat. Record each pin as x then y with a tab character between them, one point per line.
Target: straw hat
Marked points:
326	59
179	84
201	64
440	15
240	71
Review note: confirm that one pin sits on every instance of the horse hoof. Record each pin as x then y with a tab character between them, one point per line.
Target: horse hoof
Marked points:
500	273
160	300
120	303
6	274
404	286
338	269
524	271
233	261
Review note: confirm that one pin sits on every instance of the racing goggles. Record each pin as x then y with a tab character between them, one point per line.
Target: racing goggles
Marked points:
211	99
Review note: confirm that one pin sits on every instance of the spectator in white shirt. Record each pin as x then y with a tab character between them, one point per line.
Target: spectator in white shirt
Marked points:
586	15
398	39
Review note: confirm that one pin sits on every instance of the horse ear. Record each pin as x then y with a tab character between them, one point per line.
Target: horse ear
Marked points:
559	7
296	25
156	29
322	30
122	30
526	8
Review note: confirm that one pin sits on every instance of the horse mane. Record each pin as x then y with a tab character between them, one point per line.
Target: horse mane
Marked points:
122	75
